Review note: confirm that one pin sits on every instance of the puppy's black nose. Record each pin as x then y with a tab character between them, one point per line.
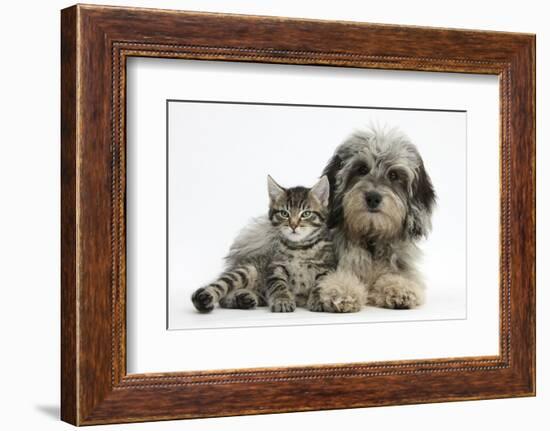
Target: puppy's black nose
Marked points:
373	200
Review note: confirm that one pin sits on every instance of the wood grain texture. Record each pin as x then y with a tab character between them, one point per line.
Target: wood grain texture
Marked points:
69	331
96	41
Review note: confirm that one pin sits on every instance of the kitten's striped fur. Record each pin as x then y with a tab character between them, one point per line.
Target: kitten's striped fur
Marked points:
282	267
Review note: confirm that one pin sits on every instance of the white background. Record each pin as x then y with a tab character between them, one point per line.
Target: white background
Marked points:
29	219
204	145
435	330
233	147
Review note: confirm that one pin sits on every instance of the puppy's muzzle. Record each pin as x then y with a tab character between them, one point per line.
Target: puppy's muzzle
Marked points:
373	200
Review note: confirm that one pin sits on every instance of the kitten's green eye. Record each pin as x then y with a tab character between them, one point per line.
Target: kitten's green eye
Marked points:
284	213
306	214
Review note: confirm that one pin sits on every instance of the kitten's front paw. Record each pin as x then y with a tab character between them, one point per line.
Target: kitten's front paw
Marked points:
203	300
283	305
246	300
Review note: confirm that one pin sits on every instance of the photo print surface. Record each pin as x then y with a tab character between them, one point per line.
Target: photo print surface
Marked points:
295	214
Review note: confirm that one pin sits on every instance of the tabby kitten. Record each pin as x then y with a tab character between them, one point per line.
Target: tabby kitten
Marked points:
283	269
303	254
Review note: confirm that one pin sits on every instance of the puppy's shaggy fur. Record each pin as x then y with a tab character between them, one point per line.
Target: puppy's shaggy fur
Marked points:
381	204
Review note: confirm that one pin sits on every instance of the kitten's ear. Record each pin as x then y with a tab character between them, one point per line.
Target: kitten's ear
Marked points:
275	190
321	191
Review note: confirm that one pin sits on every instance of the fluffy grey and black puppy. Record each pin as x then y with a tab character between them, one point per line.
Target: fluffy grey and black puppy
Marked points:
381	204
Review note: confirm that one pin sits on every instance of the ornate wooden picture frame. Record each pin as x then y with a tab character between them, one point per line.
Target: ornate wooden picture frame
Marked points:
96	41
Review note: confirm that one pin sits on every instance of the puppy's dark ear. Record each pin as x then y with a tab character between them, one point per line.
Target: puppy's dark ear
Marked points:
335	203
424	190
336	215
332	168
422	204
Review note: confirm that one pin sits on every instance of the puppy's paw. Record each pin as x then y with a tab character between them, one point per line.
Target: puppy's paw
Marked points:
338	292
315	305
396	292
203	300
283	305
346	304
400	298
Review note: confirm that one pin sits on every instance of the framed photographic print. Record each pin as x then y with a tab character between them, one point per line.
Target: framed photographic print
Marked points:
322	214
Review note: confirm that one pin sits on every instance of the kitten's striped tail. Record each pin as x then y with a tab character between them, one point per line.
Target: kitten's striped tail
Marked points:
239	277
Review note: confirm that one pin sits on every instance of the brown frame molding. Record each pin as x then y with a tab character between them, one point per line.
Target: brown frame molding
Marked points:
95	43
